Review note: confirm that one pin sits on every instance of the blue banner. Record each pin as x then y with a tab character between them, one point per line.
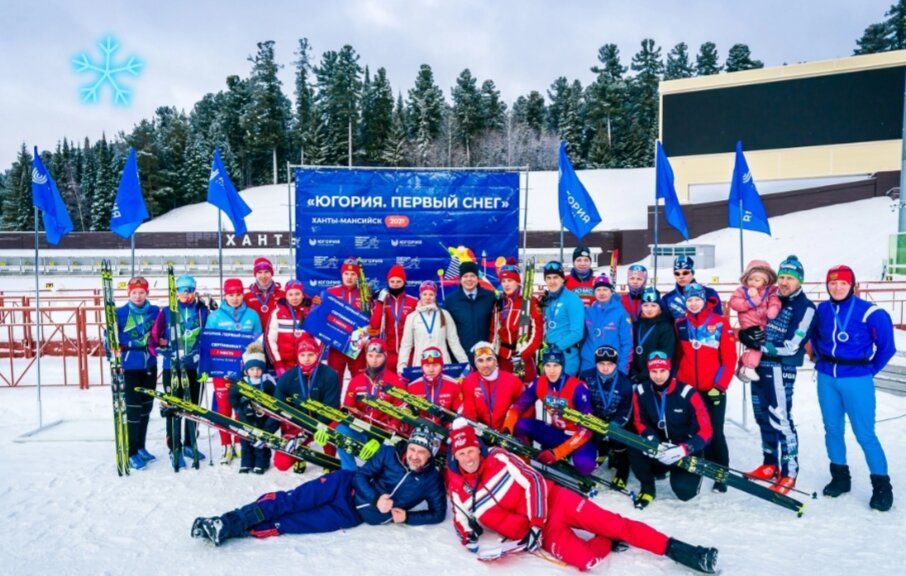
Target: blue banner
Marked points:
338	324
423	221
221	351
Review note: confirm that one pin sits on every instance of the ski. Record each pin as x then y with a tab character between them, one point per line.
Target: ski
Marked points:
373	431
588	484
525	310
290	414
500	550
117	378
245	431
560	472
692	464
178	381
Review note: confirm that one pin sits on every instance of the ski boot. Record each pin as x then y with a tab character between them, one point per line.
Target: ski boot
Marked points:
765	472
881	493
784	485
644	497
145	455
190	454
299	466
841	481
719	488
136	462
228	454
212	529
695	557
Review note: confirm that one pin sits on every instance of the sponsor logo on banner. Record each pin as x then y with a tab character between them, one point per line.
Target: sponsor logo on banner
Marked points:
409	263
324	241
367	242
405	243
326	262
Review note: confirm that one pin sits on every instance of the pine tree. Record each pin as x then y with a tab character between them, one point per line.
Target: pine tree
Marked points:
339	94
466	111
235	100
105	181
305	97
896	25
394	153
706	61
740	58
873	40
377	117
266	116
678	64
558	94
18	209
572	124
195	170
643	90
606	109
493	110
424	113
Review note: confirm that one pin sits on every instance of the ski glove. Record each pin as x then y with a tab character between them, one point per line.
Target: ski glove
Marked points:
532	540
670	454
322	437
714	396
752	337
369	449
382	296
547	457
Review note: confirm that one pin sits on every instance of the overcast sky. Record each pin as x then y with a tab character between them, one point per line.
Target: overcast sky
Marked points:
190	47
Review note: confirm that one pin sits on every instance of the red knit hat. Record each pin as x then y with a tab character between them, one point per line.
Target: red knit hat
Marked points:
262	264
462	436
396	271
349	265
658	361
376	345
841	272
509	271
294	285
138	283
432	355
233	286
307	343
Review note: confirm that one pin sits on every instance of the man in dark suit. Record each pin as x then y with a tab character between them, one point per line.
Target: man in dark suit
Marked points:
472	308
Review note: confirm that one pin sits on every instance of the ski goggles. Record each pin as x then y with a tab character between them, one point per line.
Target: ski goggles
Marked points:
650	296
509	268
376	347
607	354
185	290
553	268
432	354
658	355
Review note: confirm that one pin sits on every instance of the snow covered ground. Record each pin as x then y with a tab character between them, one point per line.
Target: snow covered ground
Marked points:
65	511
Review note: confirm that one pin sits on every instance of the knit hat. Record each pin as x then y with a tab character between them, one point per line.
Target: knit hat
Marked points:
307	343
581	251
376	345
509	272
468	268
138	282
792	267
482	348
349	265
658	360
185	283
427	285
841	272
552	355
607	354
422	436
684	263
254	357
396	271
262	264
462	436
759	267
638	269
650	294
432	355
294	285
233	286
554	267
695	290
603	281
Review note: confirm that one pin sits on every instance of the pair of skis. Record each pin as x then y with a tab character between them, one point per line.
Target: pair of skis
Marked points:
117	378
179	379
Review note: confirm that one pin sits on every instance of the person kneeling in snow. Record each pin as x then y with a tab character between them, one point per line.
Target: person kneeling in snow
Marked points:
496	490
383	490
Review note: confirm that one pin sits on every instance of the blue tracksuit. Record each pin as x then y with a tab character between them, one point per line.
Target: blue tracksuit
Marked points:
772	394
611	398
853	341
564	326
607	324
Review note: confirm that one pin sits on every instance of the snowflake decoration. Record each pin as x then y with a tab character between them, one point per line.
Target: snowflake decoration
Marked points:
107	73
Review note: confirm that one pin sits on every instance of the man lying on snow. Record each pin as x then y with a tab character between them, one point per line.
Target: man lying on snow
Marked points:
494	489
383	490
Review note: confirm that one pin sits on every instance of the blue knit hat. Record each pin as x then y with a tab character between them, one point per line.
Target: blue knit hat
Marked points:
695	290
650	294
684	263
792	267
554	355
185	282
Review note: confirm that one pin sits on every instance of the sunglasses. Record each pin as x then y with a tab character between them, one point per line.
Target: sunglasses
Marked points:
657	355
682	273
185	290
431	354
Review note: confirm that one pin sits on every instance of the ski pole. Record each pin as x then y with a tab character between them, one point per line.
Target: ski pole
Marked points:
440	280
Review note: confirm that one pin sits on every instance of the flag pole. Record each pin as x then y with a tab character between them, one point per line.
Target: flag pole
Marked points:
38	324
561	242
657	209
132	243
220	245
741	259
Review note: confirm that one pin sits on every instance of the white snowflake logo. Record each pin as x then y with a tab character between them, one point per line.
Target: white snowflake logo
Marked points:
107	73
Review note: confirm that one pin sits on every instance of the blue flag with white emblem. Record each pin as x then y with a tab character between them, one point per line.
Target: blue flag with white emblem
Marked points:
222	193
46	196
665	188
744	197
129	209
577	210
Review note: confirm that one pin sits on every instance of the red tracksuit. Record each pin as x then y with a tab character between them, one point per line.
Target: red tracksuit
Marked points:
261	301
488	401
446	393
509	497
363	384
508	334
282	333
387	321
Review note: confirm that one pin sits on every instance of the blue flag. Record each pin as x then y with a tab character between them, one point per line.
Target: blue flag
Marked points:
129	209
664	188
46	197
577	210
743	194
222	193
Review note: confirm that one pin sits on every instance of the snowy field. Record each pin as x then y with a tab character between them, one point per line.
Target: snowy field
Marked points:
65	511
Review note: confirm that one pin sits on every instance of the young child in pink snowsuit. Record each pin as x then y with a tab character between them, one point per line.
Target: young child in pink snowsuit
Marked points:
755	301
